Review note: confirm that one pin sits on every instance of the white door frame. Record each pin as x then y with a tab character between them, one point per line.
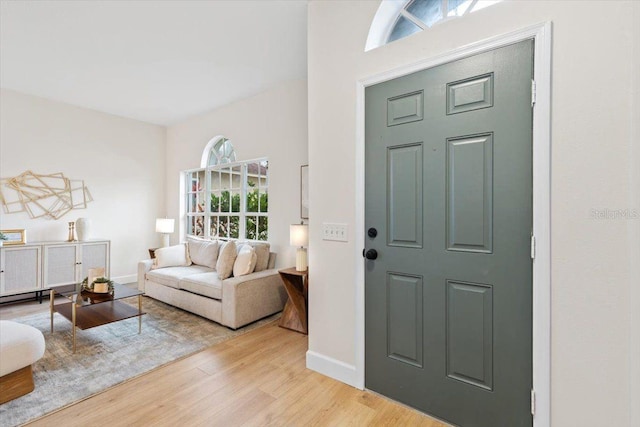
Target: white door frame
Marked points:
541	34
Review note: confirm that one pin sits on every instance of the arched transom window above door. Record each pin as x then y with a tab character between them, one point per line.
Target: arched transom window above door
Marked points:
396	19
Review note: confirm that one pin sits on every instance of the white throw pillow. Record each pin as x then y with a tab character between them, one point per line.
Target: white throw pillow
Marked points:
226	258
262	253
203	252
245	261
172	256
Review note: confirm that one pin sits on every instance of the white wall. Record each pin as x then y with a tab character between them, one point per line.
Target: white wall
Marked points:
271	124
120	160
594	278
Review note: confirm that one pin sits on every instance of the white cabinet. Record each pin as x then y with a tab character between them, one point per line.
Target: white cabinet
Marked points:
38	266
61	264
94	255
68	263
20	269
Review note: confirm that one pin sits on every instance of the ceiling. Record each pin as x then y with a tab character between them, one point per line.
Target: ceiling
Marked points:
156	61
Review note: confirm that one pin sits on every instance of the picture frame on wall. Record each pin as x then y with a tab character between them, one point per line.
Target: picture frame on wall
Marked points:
304	192
14	237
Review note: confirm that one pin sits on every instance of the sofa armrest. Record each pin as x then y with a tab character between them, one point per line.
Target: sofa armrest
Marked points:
252	297
144	267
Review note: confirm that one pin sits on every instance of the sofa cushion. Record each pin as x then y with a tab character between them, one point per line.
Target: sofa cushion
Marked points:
262	253
172	256
245	261
203	252
205	284
226	258
170	276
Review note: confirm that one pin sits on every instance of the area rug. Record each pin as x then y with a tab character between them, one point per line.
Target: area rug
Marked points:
109	354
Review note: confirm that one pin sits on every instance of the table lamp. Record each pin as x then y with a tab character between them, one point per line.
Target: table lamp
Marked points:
165	226
299	236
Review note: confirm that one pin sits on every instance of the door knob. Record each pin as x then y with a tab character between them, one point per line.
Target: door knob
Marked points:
372	232
370	254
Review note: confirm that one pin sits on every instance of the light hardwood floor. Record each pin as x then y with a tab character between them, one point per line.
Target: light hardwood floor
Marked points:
256	379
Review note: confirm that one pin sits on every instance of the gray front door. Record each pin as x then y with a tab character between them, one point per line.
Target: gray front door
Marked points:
448	307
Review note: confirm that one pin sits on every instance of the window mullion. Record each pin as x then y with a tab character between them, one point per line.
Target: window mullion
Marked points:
207	203
413	19
242	232
471	6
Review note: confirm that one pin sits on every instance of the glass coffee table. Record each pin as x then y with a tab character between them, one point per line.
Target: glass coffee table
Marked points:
87	310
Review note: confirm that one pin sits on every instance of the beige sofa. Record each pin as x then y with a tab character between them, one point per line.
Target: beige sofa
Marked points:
197	288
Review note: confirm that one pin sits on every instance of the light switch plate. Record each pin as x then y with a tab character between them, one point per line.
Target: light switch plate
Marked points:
336	232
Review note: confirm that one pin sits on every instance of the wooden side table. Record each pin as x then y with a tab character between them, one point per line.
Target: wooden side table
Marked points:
294	315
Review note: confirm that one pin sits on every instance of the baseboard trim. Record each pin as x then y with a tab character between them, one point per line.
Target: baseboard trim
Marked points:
131	278
332	368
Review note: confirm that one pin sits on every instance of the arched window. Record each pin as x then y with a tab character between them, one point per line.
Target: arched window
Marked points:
397	19
225	198
218	151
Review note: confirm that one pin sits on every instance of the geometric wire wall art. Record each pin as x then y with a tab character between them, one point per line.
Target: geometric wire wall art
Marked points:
43	196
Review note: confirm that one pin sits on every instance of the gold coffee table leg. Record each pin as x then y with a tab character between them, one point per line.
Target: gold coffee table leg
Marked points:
73	327
51	296
139	316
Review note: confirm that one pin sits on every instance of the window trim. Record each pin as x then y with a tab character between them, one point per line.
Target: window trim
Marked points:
390	11
206	191
210	147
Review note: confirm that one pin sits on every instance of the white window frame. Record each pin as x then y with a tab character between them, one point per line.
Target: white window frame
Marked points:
390	11
206	192
211	149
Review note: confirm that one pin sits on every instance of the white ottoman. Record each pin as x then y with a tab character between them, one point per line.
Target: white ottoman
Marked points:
20	346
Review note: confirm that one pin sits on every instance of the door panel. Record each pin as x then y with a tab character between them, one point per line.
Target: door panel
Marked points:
404	183
404	318
448	181
470	94
470	333
469	193
405	108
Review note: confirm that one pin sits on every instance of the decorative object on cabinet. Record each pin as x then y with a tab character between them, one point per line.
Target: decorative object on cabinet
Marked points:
83	229
304	191
165	226
72	232
299	236
13	237
41	195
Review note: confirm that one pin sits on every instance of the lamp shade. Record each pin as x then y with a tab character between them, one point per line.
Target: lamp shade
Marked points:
165	225
298	235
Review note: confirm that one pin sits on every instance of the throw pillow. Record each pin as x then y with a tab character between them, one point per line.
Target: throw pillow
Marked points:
203	252
226	258
262	253
245	261
172	256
